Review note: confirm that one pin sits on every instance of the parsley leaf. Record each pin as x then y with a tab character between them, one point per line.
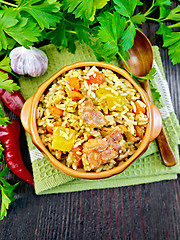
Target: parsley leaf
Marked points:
128	37
138	18
104	51
163	7
58	36
68	31
110	34
3	121
5	64
46	14
15	27
163	11
83	33
7	192
162	3
125	7
1	152
155	94
163	30
29	30
174	14
6	84
171	38
7	20
172	41
84	8
109	38
139	3
113	40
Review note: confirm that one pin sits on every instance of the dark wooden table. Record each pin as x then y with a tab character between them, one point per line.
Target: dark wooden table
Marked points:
147	211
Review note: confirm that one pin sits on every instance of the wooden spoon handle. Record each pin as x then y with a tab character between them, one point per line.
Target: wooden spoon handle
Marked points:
167	155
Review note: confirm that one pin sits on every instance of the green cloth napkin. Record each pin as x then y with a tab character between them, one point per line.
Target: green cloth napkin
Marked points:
148	168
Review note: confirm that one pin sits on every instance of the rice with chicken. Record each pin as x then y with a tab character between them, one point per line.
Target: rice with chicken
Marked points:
91	119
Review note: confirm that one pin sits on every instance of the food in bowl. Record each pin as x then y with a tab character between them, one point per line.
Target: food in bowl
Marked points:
91	119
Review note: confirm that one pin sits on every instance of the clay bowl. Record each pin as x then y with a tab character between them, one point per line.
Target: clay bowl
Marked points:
28	118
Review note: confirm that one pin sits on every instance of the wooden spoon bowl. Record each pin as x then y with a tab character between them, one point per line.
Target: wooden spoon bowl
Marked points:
141	55
140	63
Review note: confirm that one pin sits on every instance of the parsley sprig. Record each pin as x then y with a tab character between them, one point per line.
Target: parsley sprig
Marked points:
91	21
6	83
7	192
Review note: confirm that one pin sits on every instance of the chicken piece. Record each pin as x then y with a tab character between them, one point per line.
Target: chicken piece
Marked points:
114	137
91	115
114	140
96	152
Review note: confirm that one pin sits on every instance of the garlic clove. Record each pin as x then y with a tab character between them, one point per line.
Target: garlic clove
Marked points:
32	62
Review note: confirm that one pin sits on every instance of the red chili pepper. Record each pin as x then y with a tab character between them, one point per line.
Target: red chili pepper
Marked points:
14	101
9	136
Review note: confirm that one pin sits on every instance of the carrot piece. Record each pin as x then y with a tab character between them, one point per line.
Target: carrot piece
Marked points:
56	111
75	96
89	135
79	163
139	109
99	78
49	129
59	123
74	83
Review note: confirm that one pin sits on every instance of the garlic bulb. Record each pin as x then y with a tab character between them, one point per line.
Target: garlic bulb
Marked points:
32	62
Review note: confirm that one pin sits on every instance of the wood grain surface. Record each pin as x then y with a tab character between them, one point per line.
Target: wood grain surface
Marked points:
147	211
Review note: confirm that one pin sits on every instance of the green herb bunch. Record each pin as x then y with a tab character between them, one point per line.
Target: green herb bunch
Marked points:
108	26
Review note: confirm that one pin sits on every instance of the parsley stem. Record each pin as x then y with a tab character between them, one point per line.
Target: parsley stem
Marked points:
150	10
125	63
153	19
10	4
174	25
69	31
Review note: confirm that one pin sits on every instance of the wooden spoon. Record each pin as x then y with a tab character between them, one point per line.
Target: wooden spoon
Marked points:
140	63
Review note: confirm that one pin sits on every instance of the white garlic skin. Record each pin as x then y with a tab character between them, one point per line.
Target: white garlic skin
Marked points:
32	62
